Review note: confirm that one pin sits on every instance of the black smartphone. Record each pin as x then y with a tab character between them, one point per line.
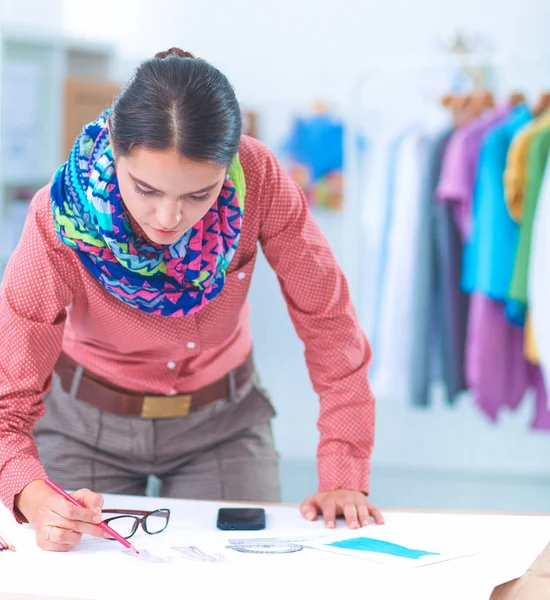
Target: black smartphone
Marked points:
241	519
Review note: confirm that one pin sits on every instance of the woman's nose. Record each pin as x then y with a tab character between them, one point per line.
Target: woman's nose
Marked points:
169	217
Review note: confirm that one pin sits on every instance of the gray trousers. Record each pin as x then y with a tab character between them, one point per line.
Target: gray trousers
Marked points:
223	451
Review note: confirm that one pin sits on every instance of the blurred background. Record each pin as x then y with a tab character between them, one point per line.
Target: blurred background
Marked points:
354	98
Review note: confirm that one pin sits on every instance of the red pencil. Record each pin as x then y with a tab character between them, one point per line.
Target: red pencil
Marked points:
103	526
5	543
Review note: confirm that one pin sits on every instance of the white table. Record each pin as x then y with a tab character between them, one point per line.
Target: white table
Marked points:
95	570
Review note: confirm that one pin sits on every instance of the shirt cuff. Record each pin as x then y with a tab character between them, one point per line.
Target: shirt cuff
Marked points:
451	194
341	472
16	475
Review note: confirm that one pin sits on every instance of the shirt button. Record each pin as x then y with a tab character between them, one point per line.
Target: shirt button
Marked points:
241	275
191	345
171	365
172	392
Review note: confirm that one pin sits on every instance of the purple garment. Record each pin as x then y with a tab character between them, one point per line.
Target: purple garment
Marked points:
542	414
496	369
458	174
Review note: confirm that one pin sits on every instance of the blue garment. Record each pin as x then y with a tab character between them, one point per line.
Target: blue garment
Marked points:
490	251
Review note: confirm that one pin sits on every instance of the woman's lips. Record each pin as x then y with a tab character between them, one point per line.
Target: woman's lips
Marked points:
165	232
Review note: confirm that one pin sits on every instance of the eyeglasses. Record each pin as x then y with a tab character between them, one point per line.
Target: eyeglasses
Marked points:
152	522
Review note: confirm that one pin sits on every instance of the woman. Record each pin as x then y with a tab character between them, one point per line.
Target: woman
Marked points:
126	344
534	584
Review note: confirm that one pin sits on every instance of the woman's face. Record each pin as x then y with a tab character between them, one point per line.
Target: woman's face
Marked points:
165	192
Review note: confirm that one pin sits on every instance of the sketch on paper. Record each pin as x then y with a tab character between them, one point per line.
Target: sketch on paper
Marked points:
146	556
380	546
214	553
386	552
195	553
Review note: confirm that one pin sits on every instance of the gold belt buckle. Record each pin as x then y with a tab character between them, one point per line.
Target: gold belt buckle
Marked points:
165	407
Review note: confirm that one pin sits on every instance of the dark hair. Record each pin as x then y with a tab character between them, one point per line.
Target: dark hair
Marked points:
175	100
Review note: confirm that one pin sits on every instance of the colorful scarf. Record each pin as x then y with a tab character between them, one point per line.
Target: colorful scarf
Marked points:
89	216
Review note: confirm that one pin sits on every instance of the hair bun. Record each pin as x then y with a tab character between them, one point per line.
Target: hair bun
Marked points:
174	52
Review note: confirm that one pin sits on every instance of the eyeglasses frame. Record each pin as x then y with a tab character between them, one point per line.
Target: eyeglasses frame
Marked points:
137	521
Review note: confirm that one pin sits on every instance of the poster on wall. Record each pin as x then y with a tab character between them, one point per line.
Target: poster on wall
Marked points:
313	156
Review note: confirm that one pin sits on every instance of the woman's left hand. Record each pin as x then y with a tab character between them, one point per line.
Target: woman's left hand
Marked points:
353	505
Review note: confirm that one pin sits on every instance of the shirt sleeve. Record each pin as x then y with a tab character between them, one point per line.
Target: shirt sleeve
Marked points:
453	186
456	183
336	350
35	291
515	173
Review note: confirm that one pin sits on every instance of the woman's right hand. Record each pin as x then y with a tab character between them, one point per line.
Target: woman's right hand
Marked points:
59	524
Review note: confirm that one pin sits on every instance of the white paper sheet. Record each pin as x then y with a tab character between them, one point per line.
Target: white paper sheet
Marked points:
100	569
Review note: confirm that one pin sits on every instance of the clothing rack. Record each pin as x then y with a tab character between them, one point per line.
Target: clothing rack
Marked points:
358	98
507	448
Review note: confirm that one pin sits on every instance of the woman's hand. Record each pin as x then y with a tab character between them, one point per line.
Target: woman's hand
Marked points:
59	524
353	505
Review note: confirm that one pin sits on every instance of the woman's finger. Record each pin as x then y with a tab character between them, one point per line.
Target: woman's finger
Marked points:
89	499
350	513
329	512
72	525
56	539
309	509
363	514
66	510
376	515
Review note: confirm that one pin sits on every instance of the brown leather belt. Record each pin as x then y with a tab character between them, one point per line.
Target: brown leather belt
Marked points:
103	395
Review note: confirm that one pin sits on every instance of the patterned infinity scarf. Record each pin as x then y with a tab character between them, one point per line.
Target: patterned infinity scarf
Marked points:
165	280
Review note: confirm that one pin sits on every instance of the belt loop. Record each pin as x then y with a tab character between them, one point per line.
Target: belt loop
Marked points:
232	386
79	371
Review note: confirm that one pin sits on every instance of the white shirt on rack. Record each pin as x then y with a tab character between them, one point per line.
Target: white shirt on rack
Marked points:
399	304
539	276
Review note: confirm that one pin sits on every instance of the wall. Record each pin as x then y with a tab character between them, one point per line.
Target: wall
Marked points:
296	49
280	58
40	15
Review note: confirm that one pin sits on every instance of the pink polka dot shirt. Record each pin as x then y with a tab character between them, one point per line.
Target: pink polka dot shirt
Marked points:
49	302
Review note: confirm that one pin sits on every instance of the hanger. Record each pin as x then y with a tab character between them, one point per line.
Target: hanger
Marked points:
456	103
479	102
517	98
320	106
447	100
471	106
542	105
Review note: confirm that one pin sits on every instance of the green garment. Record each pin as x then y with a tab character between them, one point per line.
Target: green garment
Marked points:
536	166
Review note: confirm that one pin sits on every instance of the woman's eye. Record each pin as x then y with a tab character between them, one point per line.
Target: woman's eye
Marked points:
200	198
143	192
